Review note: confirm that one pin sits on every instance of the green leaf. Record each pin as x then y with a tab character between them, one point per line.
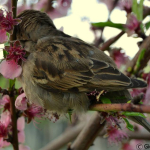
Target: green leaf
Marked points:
109	24
5	53
126	113
135	7
105	100
129	101
11	83
147	25
70	114
140	10
128	125
141	56
141	102
7	43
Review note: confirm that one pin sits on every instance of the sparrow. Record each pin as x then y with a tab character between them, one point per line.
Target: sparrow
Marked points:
61	69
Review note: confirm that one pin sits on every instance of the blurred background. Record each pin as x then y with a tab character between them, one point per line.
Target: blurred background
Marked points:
74	17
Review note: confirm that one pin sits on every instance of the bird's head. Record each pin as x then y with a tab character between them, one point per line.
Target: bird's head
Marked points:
34	25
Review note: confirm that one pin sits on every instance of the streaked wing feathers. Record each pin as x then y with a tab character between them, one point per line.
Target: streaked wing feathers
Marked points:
63	68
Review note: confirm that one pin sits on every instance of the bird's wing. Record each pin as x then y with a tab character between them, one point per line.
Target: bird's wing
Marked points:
61	65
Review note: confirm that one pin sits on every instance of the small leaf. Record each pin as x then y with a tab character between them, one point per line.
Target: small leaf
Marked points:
140	10
7	43
147	25
126	113
141	102
141	56
5	53
109	24
128	125
129	101
135	7
129	69
105	100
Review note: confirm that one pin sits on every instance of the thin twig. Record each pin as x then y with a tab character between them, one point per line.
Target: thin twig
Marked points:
121	107
88	134
112	40
66	137
12	96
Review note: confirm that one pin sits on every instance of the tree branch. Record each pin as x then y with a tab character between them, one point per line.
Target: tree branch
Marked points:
12	96
66	137
88	134
112	40
121	107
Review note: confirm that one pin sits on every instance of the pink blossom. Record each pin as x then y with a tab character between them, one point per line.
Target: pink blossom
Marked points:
21	102
10	69
5	118
132	25
136	92
20	127
3	143
115	135
53	117
34	111
3	36
126	5
15	52
8	22
127	146
5	102
119	57
8	5
23	147
4	129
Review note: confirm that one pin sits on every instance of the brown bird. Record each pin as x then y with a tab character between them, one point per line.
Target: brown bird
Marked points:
61	69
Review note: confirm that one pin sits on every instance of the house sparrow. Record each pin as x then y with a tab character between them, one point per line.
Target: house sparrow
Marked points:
61	69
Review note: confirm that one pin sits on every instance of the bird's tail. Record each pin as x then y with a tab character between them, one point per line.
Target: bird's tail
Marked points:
123	97
141	121
137	83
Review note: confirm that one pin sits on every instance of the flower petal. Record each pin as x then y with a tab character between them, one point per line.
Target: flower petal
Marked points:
21	137
23	147
20	123
10	69
3	36
21	102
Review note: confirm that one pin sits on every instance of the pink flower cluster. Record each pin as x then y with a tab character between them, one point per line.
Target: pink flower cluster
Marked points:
6	24
132	25
114	132
31	111
126	5
6	124
119	57
9	68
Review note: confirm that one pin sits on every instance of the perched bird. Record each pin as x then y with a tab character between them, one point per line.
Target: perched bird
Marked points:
61	69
